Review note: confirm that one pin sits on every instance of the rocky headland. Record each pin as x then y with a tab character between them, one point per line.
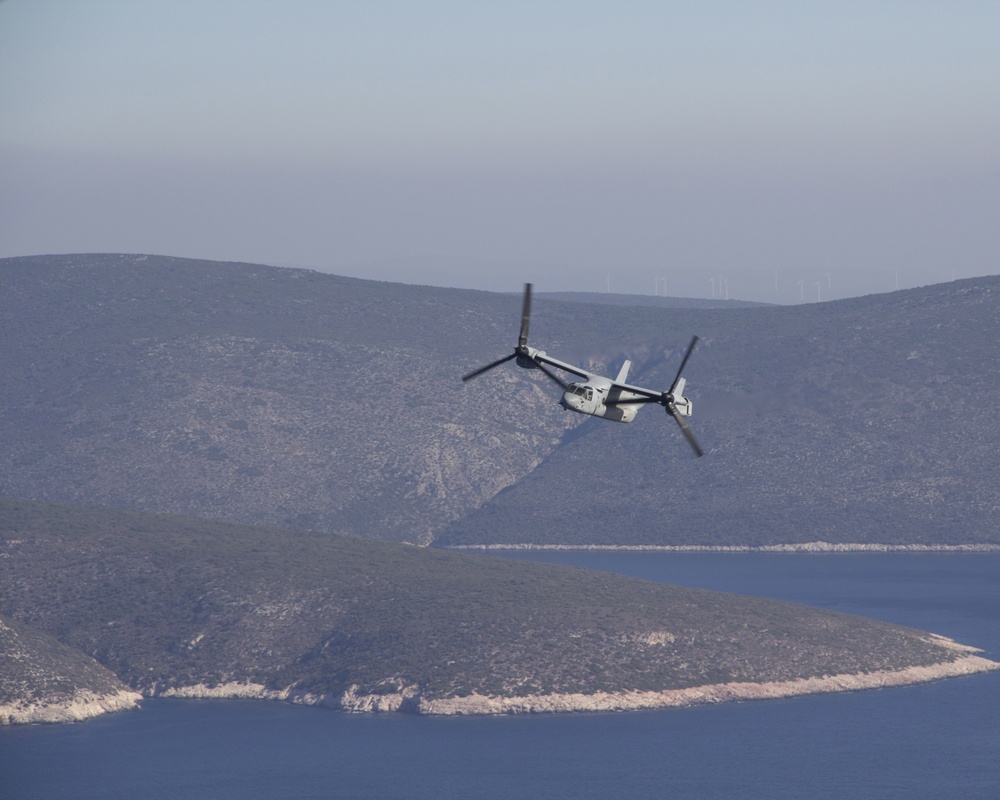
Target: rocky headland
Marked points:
176	607
410	699
44	680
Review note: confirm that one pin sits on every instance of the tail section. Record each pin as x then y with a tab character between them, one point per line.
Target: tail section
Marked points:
623	372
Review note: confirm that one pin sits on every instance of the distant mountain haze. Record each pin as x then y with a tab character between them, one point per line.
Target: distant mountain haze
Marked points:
276	396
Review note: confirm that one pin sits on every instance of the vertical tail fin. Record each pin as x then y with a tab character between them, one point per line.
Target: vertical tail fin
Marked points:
681	403
623	372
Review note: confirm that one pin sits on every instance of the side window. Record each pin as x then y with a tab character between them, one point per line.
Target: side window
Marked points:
590	394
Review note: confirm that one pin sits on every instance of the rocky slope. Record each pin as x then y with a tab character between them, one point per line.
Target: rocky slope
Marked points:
869	421
287	397
43	680
255	394
176	606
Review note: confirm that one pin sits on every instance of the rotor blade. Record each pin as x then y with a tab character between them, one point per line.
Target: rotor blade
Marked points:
522	338
551	374
477	372
686	430
684	361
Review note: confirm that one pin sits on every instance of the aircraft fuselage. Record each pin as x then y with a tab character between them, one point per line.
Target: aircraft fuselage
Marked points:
589	399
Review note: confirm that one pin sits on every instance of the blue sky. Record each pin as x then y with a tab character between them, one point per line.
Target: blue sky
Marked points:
785	151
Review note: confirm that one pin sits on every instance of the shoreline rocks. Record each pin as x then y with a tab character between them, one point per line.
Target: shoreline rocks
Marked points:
796	547
80	706
409	699
86	704
44	680
700	695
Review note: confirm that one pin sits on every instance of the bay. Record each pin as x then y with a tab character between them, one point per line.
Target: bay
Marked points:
931	741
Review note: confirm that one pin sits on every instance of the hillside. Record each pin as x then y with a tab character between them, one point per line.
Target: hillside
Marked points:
43	680
654	301
862	421
287	397
254	394
190	607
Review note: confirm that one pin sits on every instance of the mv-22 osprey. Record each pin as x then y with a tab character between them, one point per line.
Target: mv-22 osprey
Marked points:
598	396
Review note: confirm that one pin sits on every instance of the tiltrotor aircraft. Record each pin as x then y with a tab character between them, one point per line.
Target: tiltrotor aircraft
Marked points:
598	396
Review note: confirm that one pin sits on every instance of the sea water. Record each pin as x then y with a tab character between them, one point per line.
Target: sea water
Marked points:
937	740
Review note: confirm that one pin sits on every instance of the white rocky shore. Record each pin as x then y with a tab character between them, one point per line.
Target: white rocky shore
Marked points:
43	680
84	705
410	700
223	691
80	706
797	547
714	693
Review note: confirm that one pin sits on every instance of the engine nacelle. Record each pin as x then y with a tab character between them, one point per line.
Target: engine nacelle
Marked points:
684	406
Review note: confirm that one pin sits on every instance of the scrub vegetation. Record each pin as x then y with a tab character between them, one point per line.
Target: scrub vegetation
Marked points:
286	397
167	602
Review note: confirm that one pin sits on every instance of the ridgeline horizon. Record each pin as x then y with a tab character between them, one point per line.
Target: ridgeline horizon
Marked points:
295	398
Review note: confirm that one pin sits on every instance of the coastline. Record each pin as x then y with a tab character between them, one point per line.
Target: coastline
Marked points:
393	694
799	547
409	700
80	706
85	704
713	693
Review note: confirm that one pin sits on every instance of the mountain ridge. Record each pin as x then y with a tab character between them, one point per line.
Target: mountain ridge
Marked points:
287	397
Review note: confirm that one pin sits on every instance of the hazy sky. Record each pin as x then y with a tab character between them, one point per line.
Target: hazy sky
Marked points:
775	150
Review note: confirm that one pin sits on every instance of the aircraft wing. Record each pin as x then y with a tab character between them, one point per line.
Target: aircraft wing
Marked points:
538	355
646	395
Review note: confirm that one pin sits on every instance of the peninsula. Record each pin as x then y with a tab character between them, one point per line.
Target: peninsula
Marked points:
156	605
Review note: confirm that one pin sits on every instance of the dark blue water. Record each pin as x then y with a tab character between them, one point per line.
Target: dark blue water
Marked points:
938	740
